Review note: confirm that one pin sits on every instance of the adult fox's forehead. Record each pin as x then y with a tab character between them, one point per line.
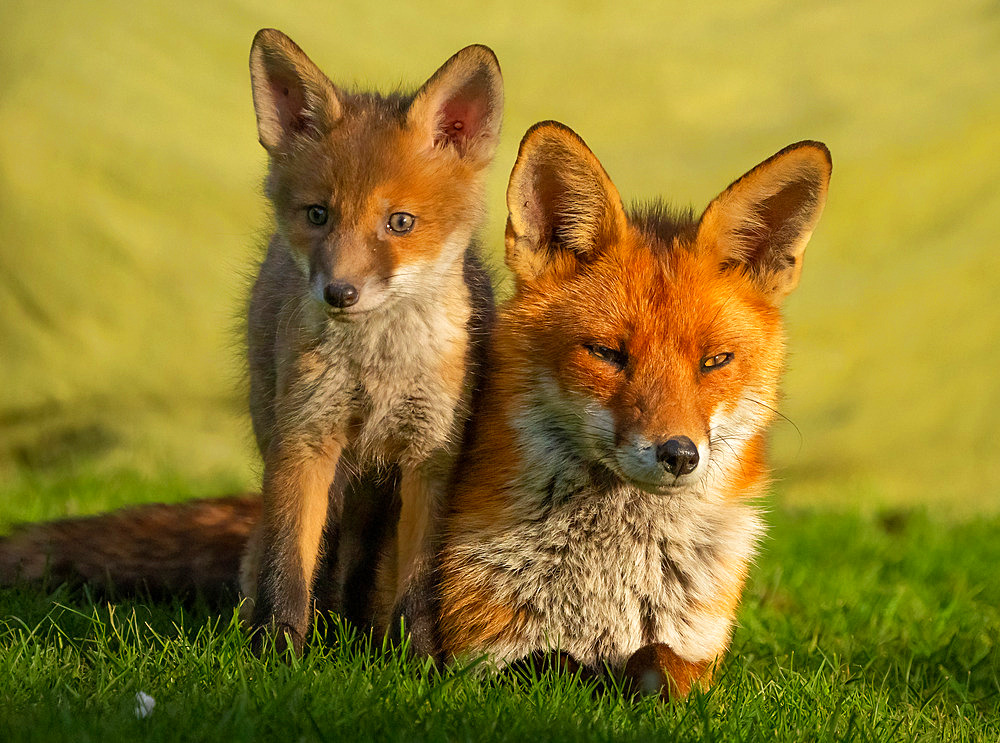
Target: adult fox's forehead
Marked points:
666	292
650	281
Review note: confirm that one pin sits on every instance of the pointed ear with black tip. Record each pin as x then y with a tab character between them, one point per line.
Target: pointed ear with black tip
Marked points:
461	105
762	222
562	207
291	96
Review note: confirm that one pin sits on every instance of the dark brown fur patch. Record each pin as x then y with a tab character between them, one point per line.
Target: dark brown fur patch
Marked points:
169	550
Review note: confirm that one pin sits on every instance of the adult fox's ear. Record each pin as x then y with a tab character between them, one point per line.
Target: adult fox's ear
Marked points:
762	222
562	207
461	105
290	95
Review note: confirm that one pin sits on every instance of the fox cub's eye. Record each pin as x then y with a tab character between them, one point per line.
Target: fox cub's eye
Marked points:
714	362
612	356
400	223
316	214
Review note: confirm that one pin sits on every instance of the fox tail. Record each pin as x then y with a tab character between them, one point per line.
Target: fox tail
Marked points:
164	549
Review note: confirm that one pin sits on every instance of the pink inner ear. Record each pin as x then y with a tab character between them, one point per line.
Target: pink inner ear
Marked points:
290	103
461	117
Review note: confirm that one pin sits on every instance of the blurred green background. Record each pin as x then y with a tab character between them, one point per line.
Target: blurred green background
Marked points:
131	216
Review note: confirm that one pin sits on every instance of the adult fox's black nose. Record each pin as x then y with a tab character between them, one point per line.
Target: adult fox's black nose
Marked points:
340	294
678	455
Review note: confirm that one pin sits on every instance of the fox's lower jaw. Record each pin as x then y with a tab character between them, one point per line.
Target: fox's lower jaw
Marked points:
351	315
661	488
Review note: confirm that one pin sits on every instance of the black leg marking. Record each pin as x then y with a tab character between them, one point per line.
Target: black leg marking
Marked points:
371	514
282	600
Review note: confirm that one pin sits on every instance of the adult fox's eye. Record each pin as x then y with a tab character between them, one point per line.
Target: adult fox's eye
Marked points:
714	362
400	223
316	214
616	357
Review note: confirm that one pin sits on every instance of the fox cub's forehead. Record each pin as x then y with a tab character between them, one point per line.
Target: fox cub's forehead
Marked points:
374	159
353	155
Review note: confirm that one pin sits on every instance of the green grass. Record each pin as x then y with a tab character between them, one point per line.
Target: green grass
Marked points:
853	628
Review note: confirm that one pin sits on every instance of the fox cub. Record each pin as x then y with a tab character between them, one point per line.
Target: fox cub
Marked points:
362	319
365	330
605	506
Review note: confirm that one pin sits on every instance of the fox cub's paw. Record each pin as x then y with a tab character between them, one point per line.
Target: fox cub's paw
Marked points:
283	637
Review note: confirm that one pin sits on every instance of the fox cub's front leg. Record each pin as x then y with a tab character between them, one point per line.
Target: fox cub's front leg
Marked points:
422	492
297	478
302	444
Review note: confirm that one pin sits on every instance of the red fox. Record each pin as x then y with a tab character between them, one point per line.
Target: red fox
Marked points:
365	329
606	502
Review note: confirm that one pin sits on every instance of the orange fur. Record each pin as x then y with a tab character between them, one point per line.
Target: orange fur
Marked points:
659	670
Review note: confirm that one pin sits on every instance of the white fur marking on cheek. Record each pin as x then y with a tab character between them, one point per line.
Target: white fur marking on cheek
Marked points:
547	426
637	460
452	249
318	288
416	275
533	419
731	430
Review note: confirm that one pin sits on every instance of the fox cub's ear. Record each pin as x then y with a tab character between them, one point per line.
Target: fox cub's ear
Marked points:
762	222
290	94
461	105
562	207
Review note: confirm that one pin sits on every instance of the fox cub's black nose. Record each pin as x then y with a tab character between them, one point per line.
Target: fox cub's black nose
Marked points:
340	294
679	455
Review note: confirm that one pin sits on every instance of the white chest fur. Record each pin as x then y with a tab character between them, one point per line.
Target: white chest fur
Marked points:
604	572
387	376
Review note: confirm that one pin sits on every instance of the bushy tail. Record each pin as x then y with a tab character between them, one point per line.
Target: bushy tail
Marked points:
165	549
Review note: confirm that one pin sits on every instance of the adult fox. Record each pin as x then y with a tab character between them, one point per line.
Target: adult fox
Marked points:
606	502
365	329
